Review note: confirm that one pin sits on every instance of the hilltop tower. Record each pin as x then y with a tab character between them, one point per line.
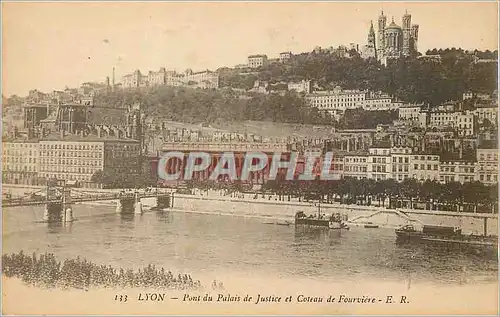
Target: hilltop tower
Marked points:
414	38
406	33
370	49
382	21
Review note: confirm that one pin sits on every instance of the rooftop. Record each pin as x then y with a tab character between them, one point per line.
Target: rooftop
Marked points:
89	138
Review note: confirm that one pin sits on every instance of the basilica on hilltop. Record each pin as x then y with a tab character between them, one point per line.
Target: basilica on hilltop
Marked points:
392	41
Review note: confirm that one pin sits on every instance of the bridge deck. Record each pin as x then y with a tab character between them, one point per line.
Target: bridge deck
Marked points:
18	202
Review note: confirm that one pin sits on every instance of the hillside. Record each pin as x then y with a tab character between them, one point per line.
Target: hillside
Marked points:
410	79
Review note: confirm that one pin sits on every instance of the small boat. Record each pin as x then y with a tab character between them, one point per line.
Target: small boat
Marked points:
320	220
371	226
283	223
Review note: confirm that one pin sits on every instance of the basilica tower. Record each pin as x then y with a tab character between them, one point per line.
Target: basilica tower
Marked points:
382	21
406	33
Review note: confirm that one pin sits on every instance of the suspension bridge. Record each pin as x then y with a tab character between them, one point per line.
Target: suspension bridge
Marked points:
59	199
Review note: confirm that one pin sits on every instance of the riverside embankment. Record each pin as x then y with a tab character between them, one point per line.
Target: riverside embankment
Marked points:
269	206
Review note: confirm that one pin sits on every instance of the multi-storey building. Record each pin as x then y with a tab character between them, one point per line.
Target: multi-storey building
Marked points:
134	80
203	79
356	165
425	167
20	161
487	166
379	163
74	158
410	112
301	86
487	112
285	56
337	101
157	78
379	102
457	171
464	122
256	61
400	158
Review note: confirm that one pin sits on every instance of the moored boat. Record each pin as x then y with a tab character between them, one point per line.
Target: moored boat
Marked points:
444	235
320	220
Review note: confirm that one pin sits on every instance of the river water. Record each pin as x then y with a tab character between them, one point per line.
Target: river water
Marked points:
215	247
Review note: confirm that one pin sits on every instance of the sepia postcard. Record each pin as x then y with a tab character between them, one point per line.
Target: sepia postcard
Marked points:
250	158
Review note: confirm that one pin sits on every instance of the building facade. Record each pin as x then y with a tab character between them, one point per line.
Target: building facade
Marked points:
356	165
337	101
379	163
487	166
256	61
285	56
203	79
301	86
79	159
409	112
400	159
425	167
20	162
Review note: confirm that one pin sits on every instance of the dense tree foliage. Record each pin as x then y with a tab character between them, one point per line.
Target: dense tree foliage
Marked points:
409	79
472	197
109	179
217	106
363	119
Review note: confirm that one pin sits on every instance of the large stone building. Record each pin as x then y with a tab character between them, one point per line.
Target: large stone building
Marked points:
203	79
395	41
20	161
337	101
487	165
256	61
74	158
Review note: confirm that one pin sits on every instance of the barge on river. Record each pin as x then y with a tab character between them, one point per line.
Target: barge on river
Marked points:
444	235
335	221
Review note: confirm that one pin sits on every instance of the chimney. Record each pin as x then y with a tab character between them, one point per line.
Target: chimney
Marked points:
113	87
98	132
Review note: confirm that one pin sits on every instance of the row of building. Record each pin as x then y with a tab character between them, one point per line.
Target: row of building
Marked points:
465	122
203	79
337	101
76	158
71	158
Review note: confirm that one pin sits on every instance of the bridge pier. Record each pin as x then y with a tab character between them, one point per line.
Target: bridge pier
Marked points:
163	201
66	208
125	205
59	211
137	205
52	212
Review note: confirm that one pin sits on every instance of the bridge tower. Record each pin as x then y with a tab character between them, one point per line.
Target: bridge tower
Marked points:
58	209
66	209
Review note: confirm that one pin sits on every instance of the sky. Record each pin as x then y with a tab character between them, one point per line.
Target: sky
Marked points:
48	46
